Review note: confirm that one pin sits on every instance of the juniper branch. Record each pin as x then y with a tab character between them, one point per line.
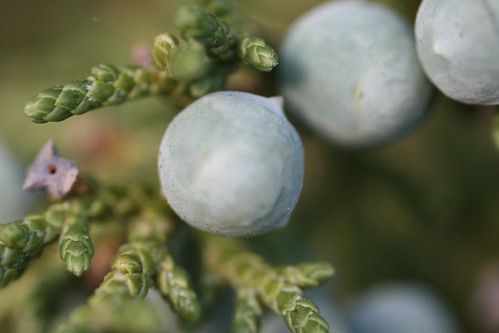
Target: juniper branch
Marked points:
281	293
25	239
143	259
173	282
186	61
306	275
22	240
130	279
224	45
152	232
107	85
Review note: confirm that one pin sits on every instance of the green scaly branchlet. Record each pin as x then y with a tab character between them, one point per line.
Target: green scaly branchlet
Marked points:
224	43
194	65
208	50
152	233
22	240
173	282
141	262
107	85
280	289
75	246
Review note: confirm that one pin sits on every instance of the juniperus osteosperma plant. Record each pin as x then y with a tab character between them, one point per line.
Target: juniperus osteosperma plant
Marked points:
210	45
356	218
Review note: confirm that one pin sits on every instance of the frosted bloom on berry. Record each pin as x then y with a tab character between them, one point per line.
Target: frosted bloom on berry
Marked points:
231	163
458	45
350	70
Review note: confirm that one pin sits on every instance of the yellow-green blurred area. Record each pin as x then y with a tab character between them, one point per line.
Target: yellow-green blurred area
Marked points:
424	209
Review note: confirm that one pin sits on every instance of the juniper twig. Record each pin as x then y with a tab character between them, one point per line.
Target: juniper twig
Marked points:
76	248
280	289
195	64
22	240
107	85
142	260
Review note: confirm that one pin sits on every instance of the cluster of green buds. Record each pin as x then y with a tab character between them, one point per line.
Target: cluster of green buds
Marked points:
192	65
208	49
145	261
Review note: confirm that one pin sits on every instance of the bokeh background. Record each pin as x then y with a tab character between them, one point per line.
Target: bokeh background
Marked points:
423	210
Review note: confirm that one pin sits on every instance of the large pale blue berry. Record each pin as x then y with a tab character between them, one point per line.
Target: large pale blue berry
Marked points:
350	70
401	308
458	45
230	163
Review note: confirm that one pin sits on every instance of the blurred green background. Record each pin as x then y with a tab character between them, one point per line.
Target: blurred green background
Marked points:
424	209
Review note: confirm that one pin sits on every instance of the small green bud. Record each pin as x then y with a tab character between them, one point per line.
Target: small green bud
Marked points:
163	43
42	105
77	259
188	62
257	54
